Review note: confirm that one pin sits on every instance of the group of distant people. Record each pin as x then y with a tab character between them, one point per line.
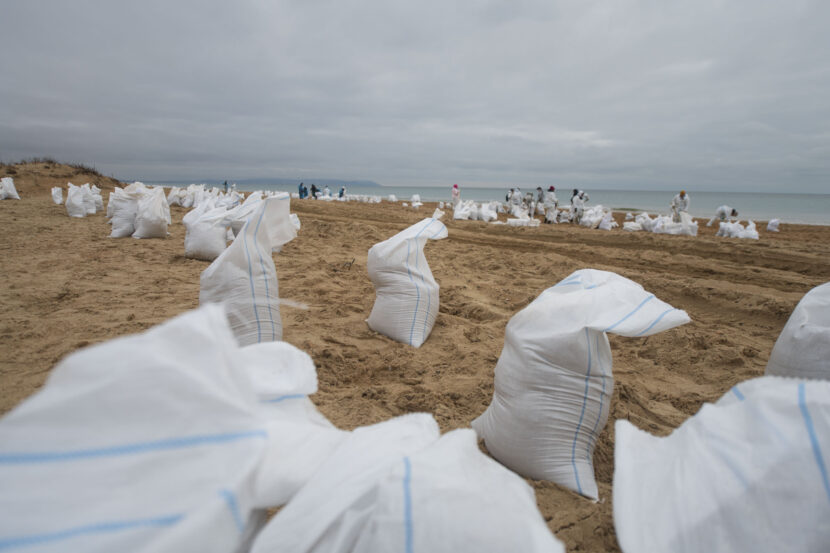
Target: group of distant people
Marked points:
680	204
317	192
546	199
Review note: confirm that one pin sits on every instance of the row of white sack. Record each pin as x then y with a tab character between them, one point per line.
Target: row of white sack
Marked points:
138	211
80	200
209	226
194	194
662	224
179	440
362	198
7	189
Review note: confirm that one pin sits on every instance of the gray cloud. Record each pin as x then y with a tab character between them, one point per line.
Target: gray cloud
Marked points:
633	94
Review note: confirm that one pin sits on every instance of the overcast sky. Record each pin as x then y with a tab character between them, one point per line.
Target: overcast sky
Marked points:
707	95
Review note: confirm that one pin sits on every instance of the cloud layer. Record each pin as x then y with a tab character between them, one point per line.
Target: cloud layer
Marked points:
631	94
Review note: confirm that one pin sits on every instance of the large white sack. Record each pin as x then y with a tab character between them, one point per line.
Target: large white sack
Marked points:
416	200
488	212
96	196
748	473
328	512
57	195
90	205
75	201
281	227
462	211
121	209
244	279
406	302
553	381
447	497
163	441
772	226
152	215
7	189
205	232
803	347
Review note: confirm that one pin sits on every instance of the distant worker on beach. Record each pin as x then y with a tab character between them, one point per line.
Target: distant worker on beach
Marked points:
551	204
578	205
680	204
723	213
226	187
314	191
342	193
300	190
508	196
456	195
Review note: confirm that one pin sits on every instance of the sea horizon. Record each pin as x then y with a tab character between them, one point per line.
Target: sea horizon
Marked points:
789	207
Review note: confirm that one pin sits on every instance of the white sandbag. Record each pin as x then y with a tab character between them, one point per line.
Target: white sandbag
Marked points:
447	497
281	229
523	222
750	231
462	211
416	200
748	473
803	347
90	205
75	201
57	195
96	196
437	214
772	226
406	302
607	222
122	208
488	212
631	226
152	215
664	224
164	441
7	189
328	512
204	240
392	198
553	381
244	279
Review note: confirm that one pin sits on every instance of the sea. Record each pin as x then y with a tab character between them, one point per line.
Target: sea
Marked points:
812	209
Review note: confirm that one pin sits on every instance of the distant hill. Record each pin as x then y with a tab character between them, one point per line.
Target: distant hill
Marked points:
39	175
275	181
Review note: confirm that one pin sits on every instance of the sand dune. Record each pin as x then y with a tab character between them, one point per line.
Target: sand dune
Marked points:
68	285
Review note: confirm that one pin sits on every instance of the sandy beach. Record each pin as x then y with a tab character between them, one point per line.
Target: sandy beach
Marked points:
68	285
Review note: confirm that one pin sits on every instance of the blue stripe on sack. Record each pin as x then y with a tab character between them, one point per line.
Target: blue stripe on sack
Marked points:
89	529
283	398
657	320
642	303
594	436
233	507
407	505
737	393
581	415
808	422
128	449
251	279
575	279
264	276
417	289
